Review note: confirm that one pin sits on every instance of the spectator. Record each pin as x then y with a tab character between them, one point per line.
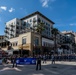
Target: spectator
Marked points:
44	58
38	63
53	59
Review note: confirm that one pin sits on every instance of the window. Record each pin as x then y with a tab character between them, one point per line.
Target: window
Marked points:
24	24
43	43
13	44
42	21
36	41
16	43
30	20
18	23
39	20
14	22
17	27
11	23
34	18
46	24
23	40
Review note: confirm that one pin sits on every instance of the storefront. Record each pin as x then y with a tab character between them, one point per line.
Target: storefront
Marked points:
21	52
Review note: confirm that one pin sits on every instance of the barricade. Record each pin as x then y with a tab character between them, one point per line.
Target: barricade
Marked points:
26	61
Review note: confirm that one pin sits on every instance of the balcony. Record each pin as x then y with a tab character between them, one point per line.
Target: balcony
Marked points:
11	34
6	31
34	21
6	28
12	30
12	25
6	37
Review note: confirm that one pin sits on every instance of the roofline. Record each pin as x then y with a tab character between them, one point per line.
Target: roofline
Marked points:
37	12
69	33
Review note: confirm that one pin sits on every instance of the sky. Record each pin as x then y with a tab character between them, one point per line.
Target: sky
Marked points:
61	12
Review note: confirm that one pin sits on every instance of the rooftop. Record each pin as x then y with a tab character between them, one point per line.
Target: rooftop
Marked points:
37	12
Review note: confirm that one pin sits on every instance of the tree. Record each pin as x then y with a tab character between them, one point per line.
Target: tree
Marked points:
74	46
55	32
39	28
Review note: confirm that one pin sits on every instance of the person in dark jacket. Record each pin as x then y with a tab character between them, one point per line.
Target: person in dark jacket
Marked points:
38	63
14	61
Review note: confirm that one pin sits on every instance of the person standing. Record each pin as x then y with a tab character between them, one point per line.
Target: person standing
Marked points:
38	63
53	59
13	61
44	58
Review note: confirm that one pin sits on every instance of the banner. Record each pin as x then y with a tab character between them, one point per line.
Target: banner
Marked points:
26	61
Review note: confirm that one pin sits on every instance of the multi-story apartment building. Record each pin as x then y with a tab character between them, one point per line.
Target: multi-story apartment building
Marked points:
36	17
20	27
13	28
69	41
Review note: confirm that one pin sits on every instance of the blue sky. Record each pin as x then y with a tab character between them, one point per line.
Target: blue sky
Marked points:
62	12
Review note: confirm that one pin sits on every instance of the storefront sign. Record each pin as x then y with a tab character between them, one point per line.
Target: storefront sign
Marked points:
26	61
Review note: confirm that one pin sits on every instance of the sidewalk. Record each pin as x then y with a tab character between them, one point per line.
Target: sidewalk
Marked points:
60	62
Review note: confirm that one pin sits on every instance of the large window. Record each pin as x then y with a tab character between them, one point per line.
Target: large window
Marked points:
23	40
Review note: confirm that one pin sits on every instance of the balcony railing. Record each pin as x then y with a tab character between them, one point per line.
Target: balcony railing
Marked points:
6	31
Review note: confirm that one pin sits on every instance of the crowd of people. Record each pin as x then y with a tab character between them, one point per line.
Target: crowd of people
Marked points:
40	58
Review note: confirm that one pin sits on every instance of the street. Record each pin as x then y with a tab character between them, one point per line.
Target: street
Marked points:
60	68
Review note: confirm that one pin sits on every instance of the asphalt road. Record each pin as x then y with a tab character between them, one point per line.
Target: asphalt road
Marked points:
59	68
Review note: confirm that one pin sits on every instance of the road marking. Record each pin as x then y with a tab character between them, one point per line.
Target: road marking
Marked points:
7	68
51	71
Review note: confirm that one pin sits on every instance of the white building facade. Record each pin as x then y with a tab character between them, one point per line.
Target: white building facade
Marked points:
12	28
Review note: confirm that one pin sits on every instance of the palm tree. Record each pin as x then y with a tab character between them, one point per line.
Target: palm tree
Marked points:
39	28
55	32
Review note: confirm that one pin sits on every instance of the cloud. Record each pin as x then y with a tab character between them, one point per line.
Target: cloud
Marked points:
11	10
45	3
3	8
73	24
